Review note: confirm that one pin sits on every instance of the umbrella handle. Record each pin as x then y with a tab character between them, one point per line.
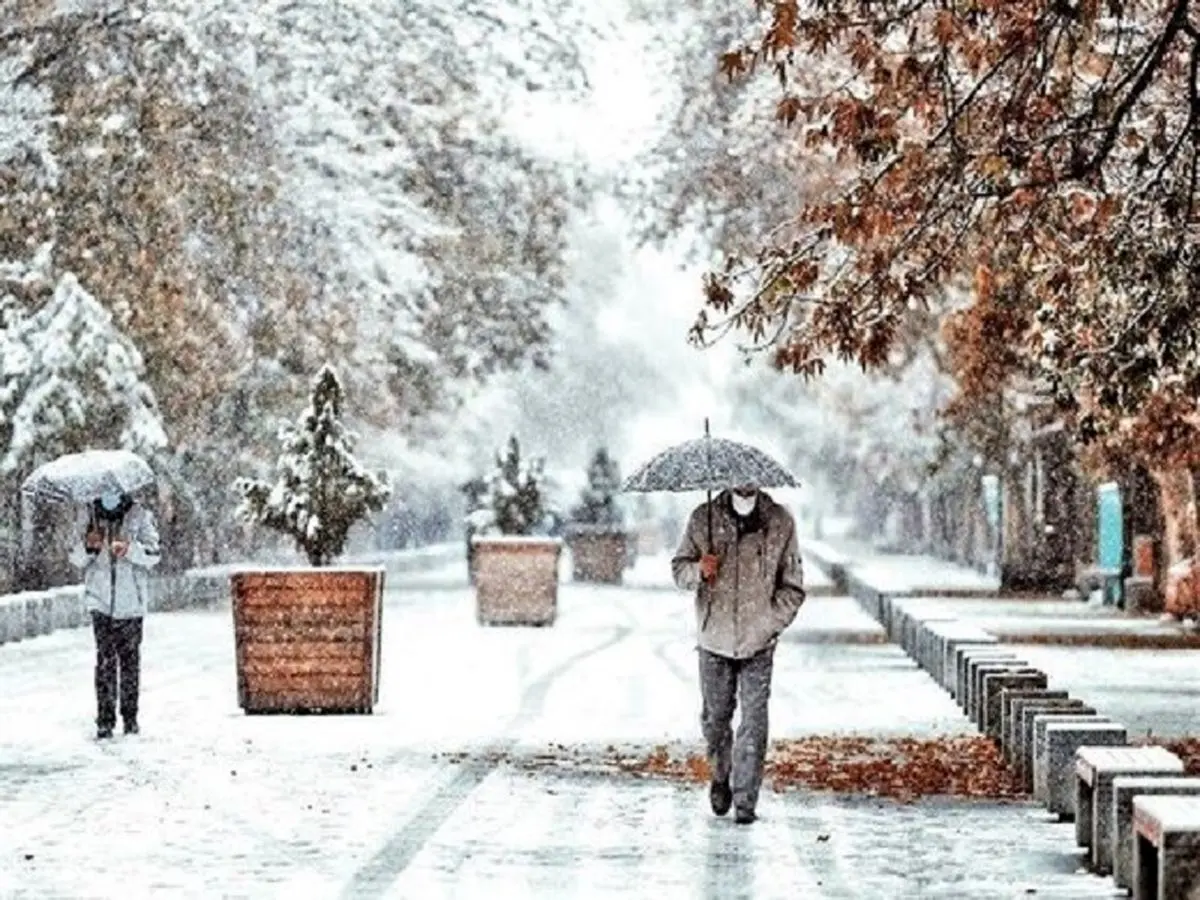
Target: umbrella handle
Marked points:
708	454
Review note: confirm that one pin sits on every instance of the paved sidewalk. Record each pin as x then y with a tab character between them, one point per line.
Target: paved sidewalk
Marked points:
208	802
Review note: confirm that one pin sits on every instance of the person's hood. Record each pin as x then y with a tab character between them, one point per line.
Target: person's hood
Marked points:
122	509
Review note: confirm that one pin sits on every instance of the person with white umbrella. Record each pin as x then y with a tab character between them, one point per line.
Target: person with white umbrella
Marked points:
117	544
739	554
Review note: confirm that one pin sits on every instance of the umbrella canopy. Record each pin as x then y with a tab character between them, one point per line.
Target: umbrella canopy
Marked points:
708	464
82	477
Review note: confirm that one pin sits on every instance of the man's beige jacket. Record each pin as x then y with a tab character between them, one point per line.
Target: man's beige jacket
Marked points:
759	586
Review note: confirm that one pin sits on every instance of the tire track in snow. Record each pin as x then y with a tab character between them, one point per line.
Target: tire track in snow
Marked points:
375	877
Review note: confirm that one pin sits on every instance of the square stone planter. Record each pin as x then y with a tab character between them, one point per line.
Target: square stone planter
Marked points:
516	580
598	554
308	640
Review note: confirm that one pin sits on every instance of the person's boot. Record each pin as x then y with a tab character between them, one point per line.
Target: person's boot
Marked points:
744	815
104	732
131	726
720	796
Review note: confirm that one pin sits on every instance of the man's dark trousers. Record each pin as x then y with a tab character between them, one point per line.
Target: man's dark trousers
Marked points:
723	683
118	663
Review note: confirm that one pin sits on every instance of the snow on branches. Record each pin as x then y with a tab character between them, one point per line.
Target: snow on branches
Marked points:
510	499
69	377
1054	143
320	490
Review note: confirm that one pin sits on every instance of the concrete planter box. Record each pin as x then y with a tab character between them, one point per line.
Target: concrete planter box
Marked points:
307	640
598	554
516	580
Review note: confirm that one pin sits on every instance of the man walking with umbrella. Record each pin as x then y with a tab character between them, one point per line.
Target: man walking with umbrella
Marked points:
118	543
739	554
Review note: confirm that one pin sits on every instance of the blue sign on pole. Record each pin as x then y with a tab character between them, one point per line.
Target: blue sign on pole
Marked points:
1110	538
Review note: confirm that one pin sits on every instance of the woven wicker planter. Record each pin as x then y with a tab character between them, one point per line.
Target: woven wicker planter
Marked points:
598	555
308	639
516	580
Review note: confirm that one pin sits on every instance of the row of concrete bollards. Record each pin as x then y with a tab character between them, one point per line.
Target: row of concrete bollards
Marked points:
1134	811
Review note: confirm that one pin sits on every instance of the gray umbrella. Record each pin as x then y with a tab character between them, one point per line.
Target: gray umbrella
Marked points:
708	464
82	477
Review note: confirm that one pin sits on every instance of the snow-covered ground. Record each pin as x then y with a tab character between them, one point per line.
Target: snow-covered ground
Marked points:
902	573
209	802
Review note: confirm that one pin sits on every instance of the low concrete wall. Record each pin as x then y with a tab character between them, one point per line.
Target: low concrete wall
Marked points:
829	561
34	613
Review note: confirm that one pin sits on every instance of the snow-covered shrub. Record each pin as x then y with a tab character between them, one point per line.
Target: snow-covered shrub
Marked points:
70	378
320	490
598	502
514	502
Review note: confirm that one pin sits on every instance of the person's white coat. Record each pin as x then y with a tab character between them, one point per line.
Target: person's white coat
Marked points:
118	587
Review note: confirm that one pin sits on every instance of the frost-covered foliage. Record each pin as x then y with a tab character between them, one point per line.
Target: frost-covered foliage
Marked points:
251	168
320	490
720	171
414	200
598	502
254	189
69	377
512	501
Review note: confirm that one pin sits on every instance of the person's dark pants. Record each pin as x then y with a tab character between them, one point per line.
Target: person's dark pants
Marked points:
723	681
118	667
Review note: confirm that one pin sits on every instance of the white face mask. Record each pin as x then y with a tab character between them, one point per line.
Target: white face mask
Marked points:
743	506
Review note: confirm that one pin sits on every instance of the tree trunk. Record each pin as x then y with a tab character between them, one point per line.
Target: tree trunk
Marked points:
1181	530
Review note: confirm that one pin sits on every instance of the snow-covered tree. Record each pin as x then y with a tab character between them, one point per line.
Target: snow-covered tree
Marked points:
71	379
719	172
253	190
320	490
598	502
514	501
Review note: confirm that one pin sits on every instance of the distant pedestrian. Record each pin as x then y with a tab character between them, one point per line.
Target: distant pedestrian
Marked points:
118	545
739	554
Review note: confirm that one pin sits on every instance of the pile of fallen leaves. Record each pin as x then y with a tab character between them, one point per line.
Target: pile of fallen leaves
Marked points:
900	768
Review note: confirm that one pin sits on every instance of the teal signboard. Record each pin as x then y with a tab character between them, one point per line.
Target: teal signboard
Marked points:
1110	538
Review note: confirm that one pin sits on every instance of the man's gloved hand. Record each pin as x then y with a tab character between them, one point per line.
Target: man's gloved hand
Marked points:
708	566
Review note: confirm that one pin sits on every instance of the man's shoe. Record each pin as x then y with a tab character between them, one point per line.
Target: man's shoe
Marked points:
744	816
104	732
720	796
131	726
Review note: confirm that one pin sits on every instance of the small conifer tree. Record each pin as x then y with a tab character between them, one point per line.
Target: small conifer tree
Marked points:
598	502
514	503
320	490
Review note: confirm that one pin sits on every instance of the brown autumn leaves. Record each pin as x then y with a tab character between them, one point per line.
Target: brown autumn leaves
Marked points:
903	769
1039	157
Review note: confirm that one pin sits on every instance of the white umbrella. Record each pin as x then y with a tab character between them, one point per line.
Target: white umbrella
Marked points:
83	477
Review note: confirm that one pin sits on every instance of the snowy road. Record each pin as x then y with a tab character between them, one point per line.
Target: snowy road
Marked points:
208	802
